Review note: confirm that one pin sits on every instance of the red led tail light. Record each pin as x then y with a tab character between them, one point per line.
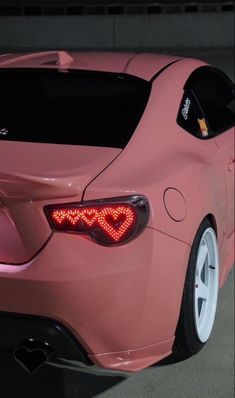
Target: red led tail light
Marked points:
108	222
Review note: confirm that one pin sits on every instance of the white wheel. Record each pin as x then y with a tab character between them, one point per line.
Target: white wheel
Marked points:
206	285
200	294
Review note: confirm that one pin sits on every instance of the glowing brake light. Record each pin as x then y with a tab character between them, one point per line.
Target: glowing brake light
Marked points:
107	221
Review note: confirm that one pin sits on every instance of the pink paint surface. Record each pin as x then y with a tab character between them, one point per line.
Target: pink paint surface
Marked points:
122	303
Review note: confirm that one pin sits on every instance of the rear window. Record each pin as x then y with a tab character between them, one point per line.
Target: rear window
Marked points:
70	107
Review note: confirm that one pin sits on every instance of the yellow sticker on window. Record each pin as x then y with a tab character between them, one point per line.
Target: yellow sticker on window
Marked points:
203	127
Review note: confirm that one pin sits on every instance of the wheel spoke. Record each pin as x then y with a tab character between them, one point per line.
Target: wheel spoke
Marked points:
202	291
203	253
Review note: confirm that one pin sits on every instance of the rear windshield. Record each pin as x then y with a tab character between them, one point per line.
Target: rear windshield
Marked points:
70	107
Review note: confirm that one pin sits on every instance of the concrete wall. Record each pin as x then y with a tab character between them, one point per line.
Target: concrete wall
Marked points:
114	32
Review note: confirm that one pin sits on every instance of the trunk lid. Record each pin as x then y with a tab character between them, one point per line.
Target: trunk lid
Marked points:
33	175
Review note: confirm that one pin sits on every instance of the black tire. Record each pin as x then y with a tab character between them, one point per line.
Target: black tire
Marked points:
187	342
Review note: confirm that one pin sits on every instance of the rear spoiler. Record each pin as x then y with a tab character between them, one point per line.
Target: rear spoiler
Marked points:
61	58
16	185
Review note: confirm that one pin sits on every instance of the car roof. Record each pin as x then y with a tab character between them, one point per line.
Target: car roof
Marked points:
142	65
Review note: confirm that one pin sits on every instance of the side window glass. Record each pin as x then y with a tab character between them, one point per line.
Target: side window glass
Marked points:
190	116
217	99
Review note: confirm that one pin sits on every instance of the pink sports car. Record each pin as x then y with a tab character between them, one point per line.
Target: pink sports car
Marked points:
116	206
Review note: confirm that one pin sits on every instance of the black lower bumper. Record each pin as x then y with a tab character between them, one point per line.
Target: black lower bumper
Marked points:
16	328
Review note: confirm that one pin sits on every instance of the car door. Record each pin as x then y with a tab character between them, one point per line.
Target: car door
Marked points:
216	95
225	144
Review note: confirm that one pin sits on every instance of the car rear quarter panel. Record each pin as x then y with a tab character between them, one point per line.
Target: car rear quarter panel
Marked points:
162	155
104	295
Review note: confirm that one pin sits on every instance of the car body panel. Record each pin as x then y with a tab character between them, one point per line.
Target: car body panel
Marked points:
85	286
84	61
27	182
121	303
144	66
186	156
226	147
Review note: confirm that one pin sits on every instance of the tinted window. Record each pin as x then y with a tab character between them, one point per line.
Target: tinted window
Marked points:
70	107
190	115
216	96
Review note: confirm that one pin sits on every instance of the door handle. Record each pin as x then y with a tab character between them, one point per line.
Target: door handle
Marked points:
231	165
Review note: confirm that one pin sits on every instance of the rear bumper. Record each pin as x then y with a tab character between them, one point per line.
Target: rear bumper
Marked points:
121	304
16	328
134	360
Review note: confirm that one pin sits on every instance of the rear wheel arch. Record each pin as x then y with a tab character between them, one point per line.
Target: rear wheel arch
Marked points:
196	225
186	341
213	222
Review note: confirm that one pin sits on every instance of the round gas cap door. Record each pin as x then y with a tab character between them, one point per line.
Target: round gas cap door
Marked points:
175	204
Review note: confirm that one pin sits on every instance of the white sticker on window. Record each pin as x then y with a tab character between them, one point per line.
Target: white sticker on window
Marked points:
4	131
185	108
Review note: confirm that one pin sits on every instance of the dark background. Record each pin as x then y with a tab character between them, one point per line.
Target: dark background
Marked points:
203	29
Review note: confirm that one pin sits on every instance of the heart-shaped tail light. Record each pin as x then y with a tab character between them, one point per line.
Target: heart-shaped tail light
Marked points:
109	222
